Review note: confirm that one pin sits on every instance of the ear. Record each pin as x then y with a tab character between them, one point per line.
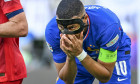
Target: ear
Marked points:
86	16
85	19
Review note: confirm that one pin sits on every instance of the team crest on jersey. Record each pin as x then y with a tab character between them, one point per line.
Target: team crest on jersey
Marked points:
112	42
94	50
6	0
49	46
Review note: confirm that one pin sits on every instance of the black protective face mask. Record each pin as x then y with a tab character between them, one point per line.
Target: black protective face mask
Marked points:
65	22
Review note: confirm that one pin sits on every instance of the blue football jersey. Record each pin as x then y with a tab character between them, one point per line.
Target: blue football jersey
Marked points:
105	32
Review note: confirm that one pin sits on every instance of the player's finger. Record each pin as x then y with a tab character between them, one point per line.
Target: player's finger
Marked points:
67	40
65	48
75	38
60	42
61	35
62	45
71	38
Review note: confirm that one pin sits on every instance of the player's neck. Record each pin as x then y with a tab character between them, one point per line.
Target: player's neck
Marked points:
85	31
86	28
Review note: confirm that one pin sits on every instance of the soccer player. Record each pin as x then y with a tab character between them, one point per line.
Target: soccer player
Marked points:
87	43
13	25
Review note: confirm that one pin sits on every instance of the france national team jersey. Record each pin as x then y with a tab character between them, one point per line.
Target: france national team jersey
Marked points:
105	32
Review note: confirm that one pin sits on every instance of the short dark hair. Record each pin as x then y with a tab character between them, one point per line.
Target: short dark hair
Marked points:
69	8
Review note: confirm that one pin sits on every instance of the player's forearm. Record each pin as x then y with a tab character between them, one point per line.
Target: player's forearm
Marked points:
96	69
13	29
68	72
16	26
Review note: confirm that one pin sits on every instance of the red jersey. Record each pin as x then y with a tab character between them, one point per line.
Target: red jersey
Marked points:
11	60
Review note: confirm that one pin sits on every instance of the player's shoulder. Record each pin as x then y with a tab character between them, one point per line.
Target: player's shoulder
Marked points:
95	8
99	11
52	22
9	1
52	32
101	15
51	26
9	6
92	7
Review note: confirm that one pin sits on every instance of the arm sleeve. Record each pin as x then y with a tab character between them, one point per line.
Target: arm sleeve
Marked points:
10	5
53	42
109	39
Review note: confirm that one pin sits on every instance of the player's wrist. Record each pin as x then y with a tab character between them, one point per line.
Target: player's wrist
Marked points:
82	56
70	58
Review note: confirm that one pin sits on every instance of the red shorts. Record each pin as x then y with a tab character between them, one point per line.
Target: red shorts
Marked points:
13	82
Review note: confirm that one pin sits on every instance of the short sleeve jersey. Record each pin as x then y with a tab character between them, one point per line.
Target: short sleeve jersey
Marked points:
104	31
11	60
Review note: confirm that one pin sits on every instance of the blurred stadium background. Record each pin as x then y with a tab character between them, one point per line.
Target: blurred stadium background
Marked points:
38	59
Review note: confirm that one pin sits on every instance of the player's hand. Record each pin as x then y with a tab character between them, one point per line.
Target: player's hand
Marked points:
72	45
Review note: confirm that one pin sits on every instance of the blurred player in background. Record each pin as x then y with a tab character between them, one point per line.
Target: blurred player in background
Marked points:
13	25
88	43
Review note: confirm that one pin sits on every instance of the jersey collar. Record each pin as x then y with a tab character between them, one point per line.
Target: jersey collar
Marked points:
88	21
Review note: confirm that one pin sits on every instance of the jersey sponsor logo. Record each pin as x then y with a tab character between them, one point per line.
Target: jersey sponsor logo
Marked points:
49	46
112	42
6	0
122	79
